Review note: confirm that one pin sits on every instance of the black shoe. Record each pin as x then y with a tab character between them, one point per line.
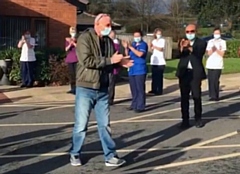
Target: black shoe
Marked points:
158	93
129	108
22	86
214	99
199	124
29	86
184	125
139	111
151	92
71	92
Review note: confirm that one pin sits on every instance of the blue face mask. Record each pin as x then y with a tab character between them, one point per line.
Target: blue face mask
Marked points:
190	36
106	31
137	39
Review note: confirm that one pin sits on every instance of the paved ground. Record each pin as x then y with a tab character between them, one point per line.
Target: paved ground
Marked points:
36	136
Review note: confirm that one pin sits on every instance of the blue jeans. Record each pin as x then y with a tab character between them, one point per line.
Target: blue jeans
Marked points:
86	100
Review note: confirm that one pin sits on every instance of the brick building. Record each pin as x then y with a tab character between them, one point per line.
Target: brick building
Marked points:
48	20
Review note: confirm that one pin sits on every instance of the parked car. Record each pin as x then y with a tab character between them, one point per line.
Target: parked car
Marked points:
223	36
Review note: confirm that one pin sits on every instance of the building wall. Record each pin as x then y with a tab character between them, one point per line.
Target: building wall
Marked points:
60	14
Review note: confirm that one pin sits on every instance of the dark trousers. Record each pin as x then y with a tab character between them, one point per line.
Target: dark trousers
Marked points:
111	88
157	78
188	84
72	75
213	82
137	86
27	73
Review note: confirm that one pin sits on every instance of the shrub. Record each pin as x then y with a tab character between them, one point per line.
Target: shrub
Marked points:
50	66
232	49
14	75
59	71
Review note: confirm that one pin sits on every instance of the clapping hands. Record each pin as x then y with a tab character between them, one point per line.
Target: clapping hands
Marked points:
184	43
125	43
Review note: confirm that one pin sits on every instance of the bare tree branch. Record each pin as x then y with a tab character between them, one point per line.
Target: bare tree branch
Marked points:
146	9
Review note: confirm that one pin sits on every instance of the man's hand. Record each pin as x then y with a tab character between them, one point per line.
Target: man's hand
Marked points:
127	63
126	57
116	58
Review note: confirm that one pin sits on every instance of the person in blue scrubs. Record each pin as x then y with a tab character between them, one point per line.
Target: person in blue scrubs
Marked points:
137	73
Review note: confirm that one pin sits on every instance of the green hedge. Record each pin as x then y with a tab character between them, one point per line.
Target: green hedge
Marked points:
50	67
232	49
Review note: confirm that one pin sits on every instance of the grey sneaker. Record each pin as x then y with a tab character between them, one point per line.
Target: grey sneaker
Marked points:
75	160
115	162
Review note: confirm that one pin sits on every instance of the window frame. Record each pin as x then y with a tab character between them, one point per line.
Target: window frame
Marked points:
32	28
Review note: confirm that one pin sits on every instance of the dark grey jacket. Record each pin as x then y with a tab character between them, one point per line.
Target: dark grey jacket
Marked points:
93	69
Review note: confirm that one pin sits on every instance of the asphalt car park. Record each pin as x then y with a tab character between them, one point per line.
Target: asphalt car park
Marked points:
35	138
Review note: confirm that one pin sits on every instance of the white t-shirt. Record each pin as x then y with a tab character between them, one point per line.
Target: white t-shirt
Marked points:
215	61
157	57
28	54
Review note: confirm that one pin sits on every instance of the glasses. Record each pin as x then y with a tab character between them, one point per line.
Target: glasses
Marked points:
190	31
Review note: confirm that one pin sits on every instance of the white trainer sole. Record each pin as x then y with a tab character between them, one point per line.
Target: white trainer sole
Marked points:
115	165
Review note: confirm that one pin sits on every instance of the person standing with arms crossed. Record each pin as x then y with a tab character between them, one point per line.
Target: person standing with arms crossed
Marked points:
215	49
157	62
96	59
191	72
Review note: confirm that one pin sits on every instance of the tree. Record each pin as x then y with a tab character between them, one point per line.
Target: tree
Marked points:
146	9
217	11
176	10
124	9
100	6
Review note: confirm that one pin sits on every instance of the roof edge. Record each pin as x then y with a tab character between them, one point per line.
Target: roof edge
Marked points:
84	1
93	16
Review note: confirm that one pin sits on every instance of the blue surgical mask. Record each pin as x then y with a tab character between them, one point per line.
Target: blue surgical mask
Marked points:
190	36
137	39
106	31
216	36
158	36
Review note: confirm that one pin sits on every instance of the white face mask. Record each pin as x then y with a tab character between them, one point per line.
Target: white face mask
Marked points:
216	36
73	35
158	36
27	36
115	41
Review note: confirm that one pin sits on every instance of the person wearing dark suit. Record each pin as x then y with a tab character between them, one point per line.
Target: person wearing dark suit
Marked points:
191	72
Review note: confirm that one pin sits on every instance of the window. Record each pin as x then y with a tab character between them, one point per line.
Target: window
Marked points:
12	29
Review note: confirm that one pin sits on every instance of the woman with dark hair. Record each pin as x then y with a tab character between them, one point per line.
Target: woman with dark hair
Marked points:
137	73
71	59
157	62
